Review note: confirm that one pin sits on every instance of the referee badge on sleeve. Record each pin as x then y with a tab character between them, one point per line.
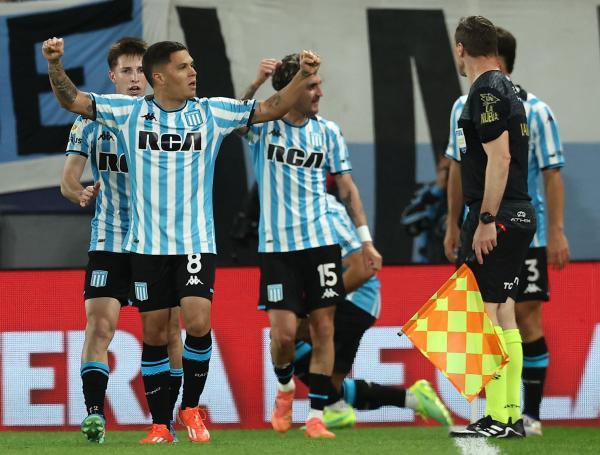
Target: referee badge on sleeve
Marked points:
461	142
275	292
141	290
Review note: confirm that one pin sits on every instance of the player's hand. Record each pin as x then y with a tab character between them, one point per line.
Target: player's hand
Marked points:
558	248
371	257
484	240
266	68
53	49
451	242
309	63
89	194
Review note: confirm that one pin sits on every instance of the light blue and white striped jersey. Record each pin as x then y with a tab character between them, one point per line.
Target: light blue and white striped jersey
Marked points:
291	163
171	159
368	296
545	151
107	160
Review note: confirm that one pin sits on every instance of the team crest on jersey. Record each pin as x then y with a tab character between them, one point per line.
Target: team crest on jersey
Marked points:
193	118
141	290
98	278
316	140
275	292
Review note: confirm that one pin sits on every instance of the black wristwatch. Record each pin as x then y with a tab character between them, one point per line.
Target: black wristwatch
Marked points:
487	218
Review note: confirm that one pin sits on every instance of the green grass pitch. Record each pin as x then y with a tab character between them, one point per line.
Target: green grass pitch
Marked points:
380	440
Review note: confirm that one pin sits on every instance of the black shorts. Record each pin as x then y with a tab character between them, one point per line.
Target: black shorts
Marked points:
350	325
498	276
108	274
533	281
162	281
301	281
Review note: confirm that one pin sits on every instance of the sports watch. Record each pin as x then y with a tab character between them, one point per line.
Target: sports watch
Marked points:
487	218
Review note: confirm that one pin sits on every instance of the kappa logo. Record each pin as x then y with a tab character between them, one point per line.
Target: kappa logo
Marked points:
532	288
148	117
105	136
329	293
194	281
275	132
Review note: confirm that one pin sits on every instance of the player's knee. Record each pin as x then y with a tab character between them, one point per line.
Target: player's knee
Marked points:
321	331
283	338
100	331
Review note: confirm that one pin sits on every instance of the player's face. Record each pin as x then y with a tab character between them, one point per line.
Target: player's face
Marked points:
308	104
459	57
128	76
180	76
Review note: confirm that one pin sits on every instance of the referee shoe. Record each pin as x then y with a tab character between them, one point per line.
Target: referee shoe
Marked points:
486	427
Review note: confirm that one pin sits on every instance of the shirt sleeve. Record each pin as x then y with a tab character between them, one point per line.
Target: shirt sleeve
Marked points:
230	114
545	139
112	110
490	110
338	156
81	138
452	151
253	134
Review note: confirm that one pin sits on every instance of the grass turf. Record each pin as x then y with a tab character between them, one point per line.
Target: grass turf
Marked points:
396	440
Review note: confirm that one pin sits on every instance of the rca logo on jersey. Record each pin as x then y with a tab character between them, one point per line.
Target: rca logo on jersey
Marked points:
112	163
169	142
294	157
488	100
508	285
194	281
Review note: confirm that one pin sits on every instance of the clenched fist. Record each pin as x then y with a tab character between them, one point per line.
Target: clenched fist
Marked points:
53	49
309	63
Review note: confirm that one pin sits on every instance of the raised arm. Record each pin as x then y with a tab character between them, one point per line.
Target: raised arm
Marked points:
65	91
281	102
350	197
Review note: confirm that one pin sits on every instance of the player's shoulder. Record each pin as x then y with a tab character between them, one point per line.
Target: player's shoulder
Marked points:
460	102
326	124
536	104
83	125
118	99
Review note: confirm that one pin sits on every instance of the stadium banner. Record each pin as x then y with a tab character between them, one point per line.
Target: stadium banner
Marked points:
396	64
42	322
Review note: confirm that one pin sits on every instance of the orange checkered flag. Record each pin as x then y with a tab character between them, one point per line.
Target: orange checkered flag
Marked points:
455	333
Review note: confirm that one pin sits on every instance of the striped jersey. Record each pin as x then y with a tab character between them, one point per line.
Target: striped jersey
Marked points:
291	163
545	150
368	296
107	159
171	160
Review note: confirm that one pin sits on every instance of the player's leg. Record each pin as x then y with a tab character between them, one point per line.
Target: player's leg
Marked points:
152	282
106	290
533	291
195	276
324	290
175	350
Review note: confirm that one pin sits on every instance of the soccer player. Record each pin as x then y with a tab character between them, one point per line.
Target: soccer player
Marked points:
549	243
300	258
171	143
352	319
492	136
108	274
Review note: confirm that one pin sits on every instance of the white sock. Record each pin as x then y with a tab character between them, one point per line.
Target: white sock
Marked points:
286	387
314	413
338	406
411	400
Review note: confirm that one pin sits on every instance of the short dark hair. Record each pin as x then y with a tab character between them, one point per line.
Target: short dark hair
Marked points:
282	76
125	46
159	54
477	35
507	47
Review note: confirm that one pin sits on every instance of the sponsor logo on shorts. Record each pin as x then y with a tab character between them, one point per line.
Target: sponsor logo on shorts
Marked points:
98	278
194	281
141	290
521	218
532	288
329	293
509	285
275	292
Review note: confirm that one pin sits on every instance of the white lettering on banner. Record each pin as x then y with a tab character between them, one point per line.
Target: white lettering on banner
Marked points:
19	379
368	366
120	395
588	398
